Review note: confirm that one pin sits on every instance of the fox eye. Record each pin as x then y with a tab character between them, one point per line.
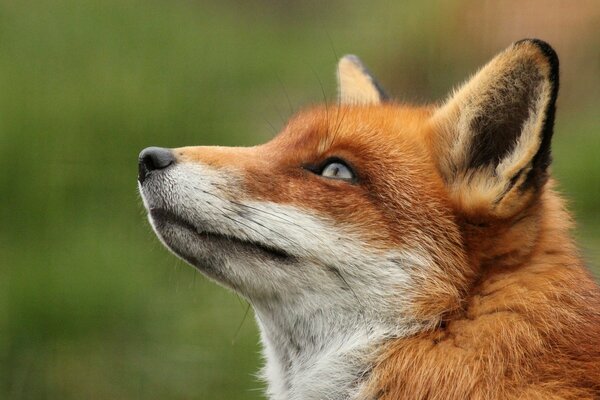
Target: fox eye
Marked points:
337	170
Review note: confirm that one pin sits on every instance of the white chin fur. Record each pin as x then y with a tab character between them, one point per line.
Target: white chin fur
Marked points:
320	308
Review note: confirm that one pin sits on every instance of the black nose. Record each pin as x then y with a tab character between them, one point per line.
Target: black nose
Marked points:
153	158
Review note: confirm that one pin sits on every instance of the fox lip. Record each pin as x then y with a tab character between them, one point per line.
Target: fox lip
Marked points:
163	215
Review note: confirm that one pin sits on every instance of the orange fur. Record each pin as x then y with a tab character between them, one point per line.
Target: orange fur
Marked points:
518	314
529	327
521	314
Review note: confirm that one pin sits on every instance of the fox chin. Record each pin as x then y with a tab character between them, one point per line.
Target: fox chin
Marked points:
393	251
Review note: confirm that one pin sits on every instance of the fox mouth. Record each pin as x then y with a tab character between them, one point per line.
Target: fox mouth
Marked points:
164	216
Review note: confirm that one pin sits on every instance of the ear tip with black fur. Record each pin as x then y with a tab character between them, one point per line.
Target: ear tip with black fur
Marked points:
356	84
540	44
543	157
353	58
351	62
548	52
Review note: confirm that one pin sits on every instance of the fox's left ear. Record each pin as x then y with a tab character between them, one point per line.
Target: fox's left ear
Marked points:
356	85
492	137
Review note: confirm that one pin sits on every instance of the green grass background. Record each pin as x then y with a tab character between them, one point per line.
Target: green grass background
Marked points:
91	305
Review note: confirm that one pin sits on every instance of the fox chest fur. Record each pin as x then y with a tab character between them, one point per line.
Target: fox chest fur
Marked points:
397	252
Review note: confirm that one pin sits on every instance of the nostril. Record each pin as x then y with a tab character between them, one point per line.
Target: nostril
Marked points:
156	158
153	158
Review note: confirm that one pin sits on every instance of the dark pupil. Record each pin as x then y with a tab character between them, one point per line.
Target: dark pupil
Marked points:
336	171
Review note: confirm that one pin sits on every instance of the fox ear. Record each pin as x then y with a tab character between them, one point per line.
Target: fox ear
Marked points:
355	84
493	134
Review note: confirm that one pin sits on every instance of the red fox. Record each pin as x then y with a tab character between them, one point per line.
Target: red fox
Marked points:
397	252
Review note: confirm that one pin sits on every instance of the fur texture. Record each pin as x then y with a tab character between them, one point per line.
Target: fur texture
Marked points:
443	270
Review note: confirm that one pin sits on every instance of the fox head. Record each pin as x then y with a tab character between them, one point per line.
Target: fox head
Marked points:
366	218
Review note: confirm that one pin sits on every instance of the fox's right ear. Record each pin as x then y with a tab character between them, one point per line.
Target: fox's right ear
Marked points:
356	85
492	137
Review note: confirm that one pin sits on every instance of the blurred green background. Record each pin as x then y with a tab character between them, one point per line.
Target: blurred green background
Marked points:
91	305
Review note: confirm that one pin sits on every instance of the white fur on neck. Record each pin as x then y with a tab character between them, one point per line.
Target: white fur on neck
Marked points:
331	365
323	314
315	351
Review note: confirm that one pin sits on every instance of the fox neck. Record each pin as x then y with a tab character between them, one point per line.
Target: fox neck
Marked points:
319	354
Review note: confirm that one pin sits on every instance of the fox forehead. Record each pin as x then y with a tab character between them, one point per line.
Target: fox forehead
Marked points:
325	129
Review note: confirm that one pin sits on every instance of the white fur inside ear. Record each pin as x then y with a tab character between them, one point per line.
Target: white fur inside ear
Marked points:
355	83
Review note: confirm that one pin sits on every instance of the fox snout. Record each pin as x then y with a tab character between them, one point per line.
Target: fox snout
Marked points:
153	159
